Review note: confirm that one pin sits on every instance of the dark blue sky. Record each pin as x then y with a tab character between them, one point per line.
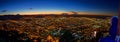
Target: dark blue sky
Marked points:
42	6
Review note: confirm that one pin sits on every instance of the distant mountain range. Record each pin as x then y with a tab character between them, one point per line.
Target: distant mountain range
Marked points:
16	17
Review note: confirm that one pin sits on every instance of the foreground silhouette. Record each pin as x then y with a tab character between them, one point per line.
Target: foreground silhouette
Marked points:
112	32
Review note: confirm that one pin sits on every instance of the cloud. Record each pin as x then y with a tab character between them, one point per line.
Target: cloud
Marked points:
30	8
4	10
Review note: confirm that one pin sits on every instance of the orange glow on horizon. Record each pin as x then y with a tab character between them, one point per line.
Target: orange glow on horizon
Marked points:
29	13
58	12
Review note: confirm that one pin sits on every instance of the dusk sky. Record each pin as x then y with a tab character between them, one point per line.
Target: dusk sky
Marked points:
59	6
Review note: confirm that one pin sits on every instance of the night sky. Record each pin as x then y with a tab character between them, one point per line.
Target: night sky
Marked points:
59	6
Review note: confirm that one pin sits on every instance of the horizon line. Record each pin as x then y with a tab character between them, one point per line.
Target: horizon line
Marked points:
61	14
